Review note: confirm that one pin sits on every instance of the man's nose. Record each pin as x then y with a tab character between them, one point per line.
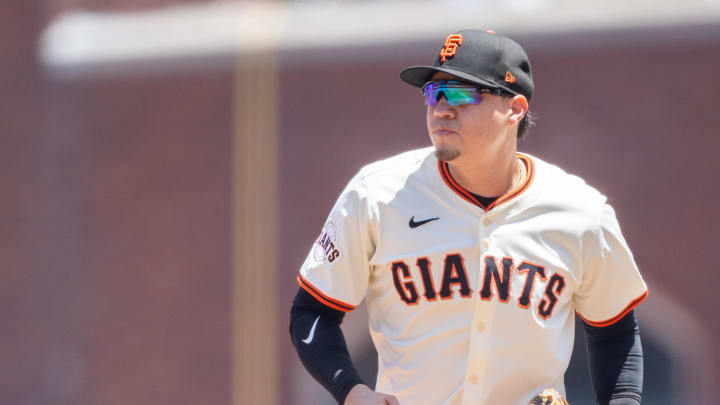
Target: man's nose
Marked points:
442	108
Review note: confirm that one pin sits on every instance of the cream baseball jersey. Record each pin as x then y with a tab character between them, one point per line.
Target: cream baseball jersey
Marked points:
471	305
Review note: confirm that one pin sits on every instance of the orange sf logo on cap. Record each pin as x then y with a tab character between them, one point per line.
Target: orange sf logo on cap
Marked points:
450	46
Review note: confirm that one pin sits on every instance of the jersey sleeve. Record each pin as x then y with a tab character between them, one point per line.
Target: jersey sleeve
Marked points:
337	268
611	283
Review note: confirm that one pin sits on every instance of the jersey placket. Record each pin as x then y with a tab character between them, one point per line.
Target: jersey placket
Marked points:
477	376
477	371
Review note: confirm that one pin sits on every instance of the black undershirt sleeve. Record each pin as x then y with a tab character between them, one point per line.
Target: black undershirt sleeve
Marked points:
616	361
315	332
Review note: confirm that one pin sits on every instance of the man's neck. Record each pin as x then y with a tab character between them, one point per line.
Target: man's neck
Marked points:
489	177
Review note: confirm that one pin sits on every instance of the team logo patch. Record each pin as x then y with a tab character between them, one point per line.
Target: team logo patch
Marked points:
450	46
326	246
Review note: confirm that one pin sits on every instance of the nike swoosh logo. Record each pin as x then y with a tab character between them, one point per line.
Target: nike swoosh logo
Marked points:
312	332
414	224
337	374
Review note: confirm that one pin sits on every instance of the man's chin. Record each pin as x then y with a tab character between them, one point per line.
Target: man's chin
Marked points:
446	155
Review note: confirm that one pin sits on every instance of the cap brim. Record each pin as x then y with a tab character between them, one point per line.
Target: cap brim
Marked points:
419	75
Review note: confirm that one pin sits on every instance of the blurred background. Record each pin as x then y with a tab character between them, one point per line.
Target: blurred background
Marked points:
166	166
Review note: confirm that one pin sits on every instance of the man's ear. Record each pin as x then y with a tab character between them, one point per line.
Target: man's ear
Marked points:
519	106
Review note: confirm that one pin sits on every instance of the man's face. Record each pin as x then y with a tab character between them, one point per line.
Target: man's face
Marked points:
469	130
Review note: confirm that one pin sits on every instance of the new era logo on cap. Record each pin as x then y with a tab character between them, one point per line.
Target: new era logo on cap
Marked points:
482	58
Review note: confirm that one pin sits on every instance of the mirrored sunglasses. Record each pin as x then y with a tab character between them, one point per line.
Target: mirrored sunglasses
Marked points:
456	93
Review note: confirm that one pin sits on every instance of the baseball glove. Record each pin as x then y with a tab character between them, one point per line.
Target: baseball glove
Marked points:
548	397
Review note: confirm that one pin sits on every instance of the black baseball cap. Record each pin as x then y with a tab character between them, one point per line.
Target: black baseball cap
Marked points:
483	58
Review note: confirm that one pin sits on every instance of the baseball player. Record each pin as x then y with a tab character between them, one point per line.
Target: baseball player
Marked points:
473	259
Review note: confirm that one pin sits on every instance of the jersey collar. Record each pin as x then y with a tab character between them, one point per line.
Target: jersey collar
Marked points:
467	196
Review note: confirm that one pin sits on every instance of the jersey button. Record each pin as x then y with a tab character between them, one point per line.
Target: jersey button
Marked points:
480	326
487	221
474	378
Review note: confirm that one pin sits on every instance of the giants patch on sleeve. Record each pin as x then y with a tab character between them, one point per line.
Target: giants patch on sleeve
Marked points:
326	246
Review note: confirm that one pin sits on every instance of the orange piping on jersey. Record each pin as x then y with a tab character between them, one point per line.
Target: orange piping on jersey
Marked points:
529	176
447	177
315	292
467	196
617	317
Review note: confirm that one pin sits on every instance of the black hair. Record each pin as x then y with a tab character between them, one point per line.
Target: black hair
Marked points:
525	123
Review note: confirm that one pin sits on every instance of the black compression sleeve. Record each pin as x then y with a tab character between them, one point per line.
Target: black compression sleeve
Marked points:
616	361
320	344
